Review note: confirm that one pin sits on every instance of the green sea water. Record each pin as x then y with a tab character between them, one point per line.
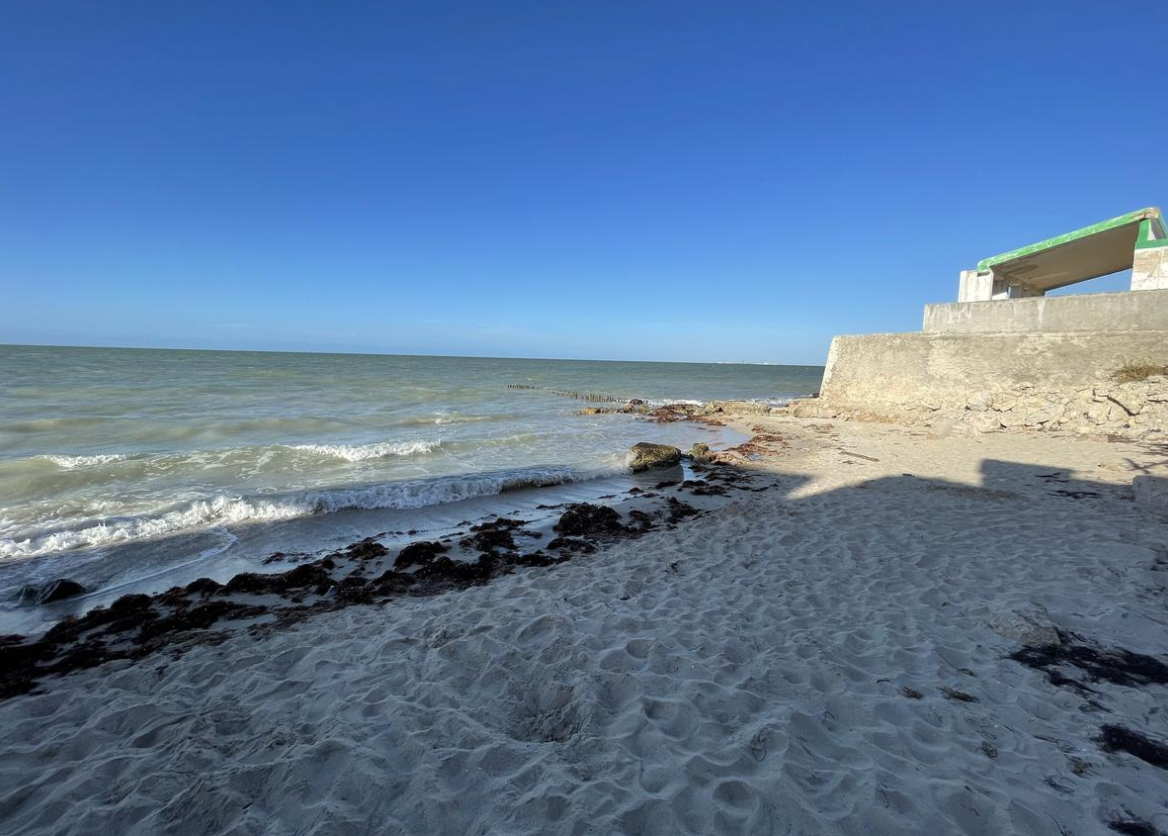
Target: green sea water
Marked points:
105	448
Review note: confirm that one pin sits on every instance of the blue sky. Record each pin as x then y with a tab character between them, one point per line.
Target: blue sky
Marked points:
623	180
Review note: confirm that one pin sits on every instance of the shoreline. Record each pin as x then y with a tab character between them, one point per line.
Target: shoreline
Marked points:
829	654
225	549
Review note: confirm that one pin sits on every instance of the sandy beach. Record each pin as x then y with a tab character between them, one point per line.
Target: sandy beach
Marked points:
847	642
583	419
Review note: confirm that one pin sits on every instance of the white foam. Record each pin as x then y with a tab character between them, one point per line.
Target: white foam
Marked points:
377	450
223	510
74	462
668	401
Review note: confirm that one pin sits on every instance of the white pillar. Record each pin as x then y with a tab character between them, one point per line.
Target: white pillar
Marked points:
975	287
1150	268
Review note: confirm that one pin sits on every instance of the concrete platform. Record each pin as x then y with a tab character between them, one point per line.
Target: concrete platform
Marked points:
1126	311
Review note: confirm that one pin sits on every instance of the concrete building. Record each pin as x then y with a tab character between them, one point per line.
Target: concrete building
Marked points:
1136	240
1005	356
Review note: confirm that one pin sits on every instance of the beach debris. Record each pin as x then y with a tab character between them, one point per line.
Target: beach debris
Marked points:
989	750
954	694
366	549
206	612
643	456
1133	826
911	693
1119	666
572	544
1031	627
585	519
643	519
593	397
418	554
1120	739
859	456
1077	494
52	591
759	445
495	534
679	510
310	576
671	413
700	487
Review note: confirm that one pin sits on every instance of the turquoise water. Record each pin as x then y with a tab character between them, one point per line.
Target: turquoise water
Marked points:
107	447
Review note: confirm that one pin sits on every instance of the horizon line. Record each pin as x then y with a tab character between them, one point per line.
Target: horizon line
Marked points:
398	354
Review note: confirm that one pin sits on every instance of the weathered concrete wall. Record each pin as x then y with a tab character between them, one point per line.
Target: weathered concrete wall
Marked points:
1150	268
1144	311
991	382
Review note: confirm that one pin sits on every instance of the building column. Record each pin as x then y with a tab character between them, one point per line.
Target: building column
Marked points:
1150	259
975	287
1150	268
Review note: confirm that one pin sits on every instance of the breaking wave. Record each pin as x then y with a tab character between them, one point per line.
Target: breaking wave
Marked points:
75	462
363	452
223	510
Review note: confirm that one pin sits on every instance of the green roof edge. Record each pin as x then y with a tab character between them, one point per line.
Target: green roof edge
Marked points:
1146	239
1150	213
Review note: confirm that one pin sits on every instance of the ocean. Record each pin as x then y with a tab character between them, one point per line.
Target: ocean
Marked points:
122	465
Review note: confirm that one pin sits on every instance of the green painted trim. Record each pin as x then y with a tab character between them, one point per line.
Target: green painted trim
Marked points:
1145	241
1087	231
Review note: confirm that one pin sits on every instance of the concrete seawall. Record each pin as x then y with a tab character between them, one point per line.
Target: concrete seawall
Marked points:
994	381
1146	310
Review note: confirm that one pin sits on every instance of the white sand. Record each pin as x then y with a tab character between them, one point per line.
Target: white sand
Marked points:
755	688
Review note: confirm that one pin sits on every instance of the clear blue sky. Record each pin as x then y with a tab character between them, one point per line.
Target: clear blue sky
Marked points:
641	180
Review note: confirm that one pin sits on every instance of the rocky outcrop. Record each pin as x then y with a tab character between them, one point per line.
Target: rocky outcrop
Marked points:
644	456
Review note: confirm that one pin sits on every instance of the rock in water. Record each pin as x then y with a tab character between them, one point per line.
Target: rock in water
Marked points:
643	456
57	590
700	453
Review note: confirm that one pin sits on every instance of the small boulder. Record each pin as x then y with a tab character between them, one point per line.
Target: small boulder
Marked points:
643	456
700	453
57	590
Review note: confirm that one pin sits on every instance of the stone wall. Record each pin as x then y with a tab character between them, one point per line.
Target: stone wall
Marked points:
988	382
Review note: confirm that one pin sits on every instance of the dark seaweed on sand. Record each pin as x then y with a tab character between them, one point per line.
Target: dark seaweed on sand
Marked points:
1120	667
1120	739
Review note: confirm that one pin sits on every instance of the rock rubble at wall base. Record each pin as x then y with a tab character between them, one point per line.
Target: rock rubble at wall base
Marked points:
1133	410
